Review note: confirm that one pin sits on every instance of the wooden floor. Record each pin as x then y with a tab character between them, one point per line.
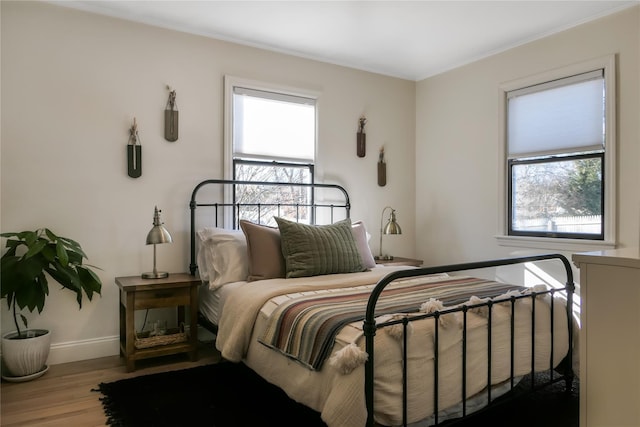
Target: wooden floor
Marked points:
63	396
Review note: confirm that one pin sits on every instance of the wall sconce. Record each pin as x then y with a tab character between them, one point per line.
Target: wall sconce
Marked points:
391	227
156	236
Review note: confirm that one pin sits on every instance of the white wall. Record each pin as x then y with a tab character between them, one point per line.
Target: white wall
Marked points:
72	83
458	133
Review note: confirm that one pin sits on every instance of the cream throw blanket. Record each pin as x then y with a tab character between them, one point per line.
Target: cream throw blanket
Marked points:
340	397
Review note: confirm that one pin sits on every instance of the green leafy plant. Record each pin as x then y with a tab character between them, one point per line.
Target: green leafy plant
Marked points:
31	254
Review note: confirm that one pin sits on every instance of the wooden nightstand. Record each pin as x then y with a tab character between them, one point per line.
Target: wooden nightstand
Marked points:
400	261
177	290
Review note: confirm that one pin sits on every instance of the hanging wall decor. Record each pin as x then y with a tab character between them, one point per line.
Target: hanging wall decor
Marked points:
171	117
361	140
134	152
382	169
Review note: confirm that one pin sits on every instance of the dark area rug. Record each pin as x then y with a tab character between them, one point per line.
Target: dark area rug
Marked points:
550	406
219	395
231	395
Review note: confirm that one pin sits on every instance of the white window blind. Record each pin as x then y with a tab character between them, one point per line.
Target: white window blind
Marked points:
558	117
269	125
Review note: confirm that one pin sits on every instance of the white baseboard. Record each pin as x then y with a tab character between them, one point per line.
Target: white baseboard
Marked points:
74	351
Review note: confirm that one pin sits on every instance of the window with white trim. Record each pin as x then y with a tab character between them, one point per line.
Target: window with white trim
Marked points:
559	157
271	138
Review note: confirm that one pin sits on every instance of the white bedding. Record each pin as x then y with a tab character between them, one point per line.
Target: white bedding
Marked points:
340	397
211	301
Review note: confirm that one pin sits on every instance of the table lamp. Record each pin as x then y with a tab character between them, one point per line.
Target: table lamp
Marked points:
391	227
156	236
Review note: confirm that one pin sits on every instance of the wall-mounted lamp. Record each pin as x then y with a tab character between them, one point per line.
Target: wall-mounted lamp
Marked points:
391	227
156	236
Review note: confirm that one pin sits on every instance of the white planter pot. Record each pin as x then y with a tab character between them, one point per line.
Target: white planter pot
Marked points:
27	356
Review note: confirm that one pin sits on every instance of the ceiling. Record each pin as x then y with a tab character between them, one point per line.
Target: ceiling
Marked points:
406	39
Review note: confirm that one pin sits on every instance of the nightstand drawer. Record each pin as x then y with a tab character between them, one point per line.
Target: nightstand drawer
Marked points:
157	298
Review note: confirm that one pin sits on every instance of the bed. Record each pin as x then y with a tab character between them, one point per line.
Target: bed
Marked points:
291	289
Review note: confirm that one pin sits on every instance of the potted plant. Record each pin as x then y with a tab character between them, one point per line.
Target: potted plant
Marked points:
31	256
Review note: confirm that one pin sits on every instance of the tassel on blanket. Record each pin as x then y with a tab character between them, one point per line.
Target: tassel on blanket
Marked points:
505	299
431	306
348	358
396	331
480	311
434	305
508	295
539	288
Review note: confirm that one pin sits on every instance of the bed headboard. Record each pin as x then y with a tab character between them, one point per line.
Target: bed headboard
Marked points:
223	203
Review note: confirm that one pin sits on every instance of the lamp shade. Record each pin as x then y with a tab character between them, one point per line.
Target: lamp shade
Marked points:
392	227
158	233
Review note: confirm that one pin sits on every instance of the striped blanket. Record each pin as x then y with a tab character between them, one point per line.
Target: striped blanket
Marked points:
303	326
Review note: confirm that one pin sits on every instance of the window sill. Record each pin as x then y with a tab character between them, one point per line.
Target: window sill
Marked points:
572	245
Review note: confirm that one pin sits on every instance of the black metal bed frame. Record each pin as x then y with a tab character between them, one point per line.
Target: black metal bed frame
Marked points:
236	208
370	327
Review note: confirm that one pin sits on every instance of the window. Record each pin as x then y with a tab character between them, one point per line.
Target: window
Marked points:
559	156
557	196
271	136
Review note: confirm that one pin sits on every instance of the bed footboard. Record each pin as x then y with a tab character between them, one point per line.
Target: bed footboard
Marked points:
370	327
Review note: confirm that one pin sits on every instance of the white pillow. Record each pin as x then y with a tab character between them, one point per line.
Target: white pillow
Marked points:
222	256
361	237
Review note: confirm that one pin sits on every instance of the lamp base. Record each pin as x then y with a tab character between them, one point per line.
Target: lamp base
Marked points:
156	275
383	257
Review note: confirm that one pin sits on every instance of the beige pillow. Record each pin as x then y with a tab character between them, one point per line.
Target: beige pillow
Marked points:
264	251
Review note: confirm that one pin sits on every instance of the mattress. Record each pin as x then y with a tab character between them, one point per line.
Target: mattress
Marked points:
211	301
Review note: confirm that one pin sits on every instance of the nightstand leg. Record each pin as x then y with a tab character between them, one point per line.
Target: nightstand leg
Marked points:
193	323
123	330
130	331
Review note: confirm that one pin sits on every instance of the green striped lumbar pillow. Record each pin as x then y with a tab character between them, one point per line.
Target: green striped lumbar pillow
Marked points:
313	250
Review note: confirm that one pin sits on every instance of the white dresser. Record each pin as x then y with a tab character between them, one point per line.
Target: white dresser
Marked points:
609	340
